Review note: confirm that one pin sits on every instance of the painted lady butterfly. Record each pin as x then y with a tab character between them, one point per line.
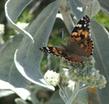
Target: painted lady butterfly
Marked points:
79	44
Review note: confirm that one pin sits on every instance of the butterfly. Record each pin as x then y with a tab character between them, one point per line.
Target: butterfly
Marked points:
79	44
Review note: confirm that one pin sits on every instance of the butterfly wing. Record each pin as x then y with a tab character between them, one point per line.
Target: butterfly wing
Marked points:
54	50
79	45
61	52
80	39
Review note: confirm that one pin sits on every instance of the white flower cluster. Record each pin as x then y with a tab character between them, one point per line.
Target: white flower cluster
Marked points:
52	77
87	75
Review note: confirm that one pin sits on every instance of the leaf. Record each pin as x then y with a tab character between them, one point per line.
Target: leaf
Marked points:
101	55
56	99
82	97
9	75
92	7
28	55
101	41
4	93
13	9
10	78
77	8
95	7
104	4
8	86
20	101
66	15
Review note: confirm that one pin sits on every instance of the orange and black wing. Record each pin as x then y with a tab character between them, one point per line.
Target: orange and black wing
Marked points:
80	38
54	50
61	52
79	45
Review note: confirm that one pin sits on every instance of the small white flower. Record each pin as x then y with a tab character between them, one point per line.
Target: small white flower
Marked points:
52	77
71	85
102	82
66	72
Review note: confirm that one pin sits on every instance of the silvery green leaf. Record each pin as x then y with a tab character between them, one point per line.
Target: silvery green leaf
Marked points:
13	9
7	67
101	40
105	5
10	77
56	99
95	7
77	8
20	101
92	7
4	93
28	56
8	71
69	95
101	55
82	97
23	93
66	14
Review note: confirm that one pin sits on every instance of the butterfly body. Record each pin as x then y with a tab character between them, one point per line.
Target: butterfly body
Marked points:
79	44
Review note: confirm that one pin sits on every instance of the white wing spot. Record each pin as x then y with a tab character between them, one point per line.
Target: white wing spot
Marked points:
78	25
